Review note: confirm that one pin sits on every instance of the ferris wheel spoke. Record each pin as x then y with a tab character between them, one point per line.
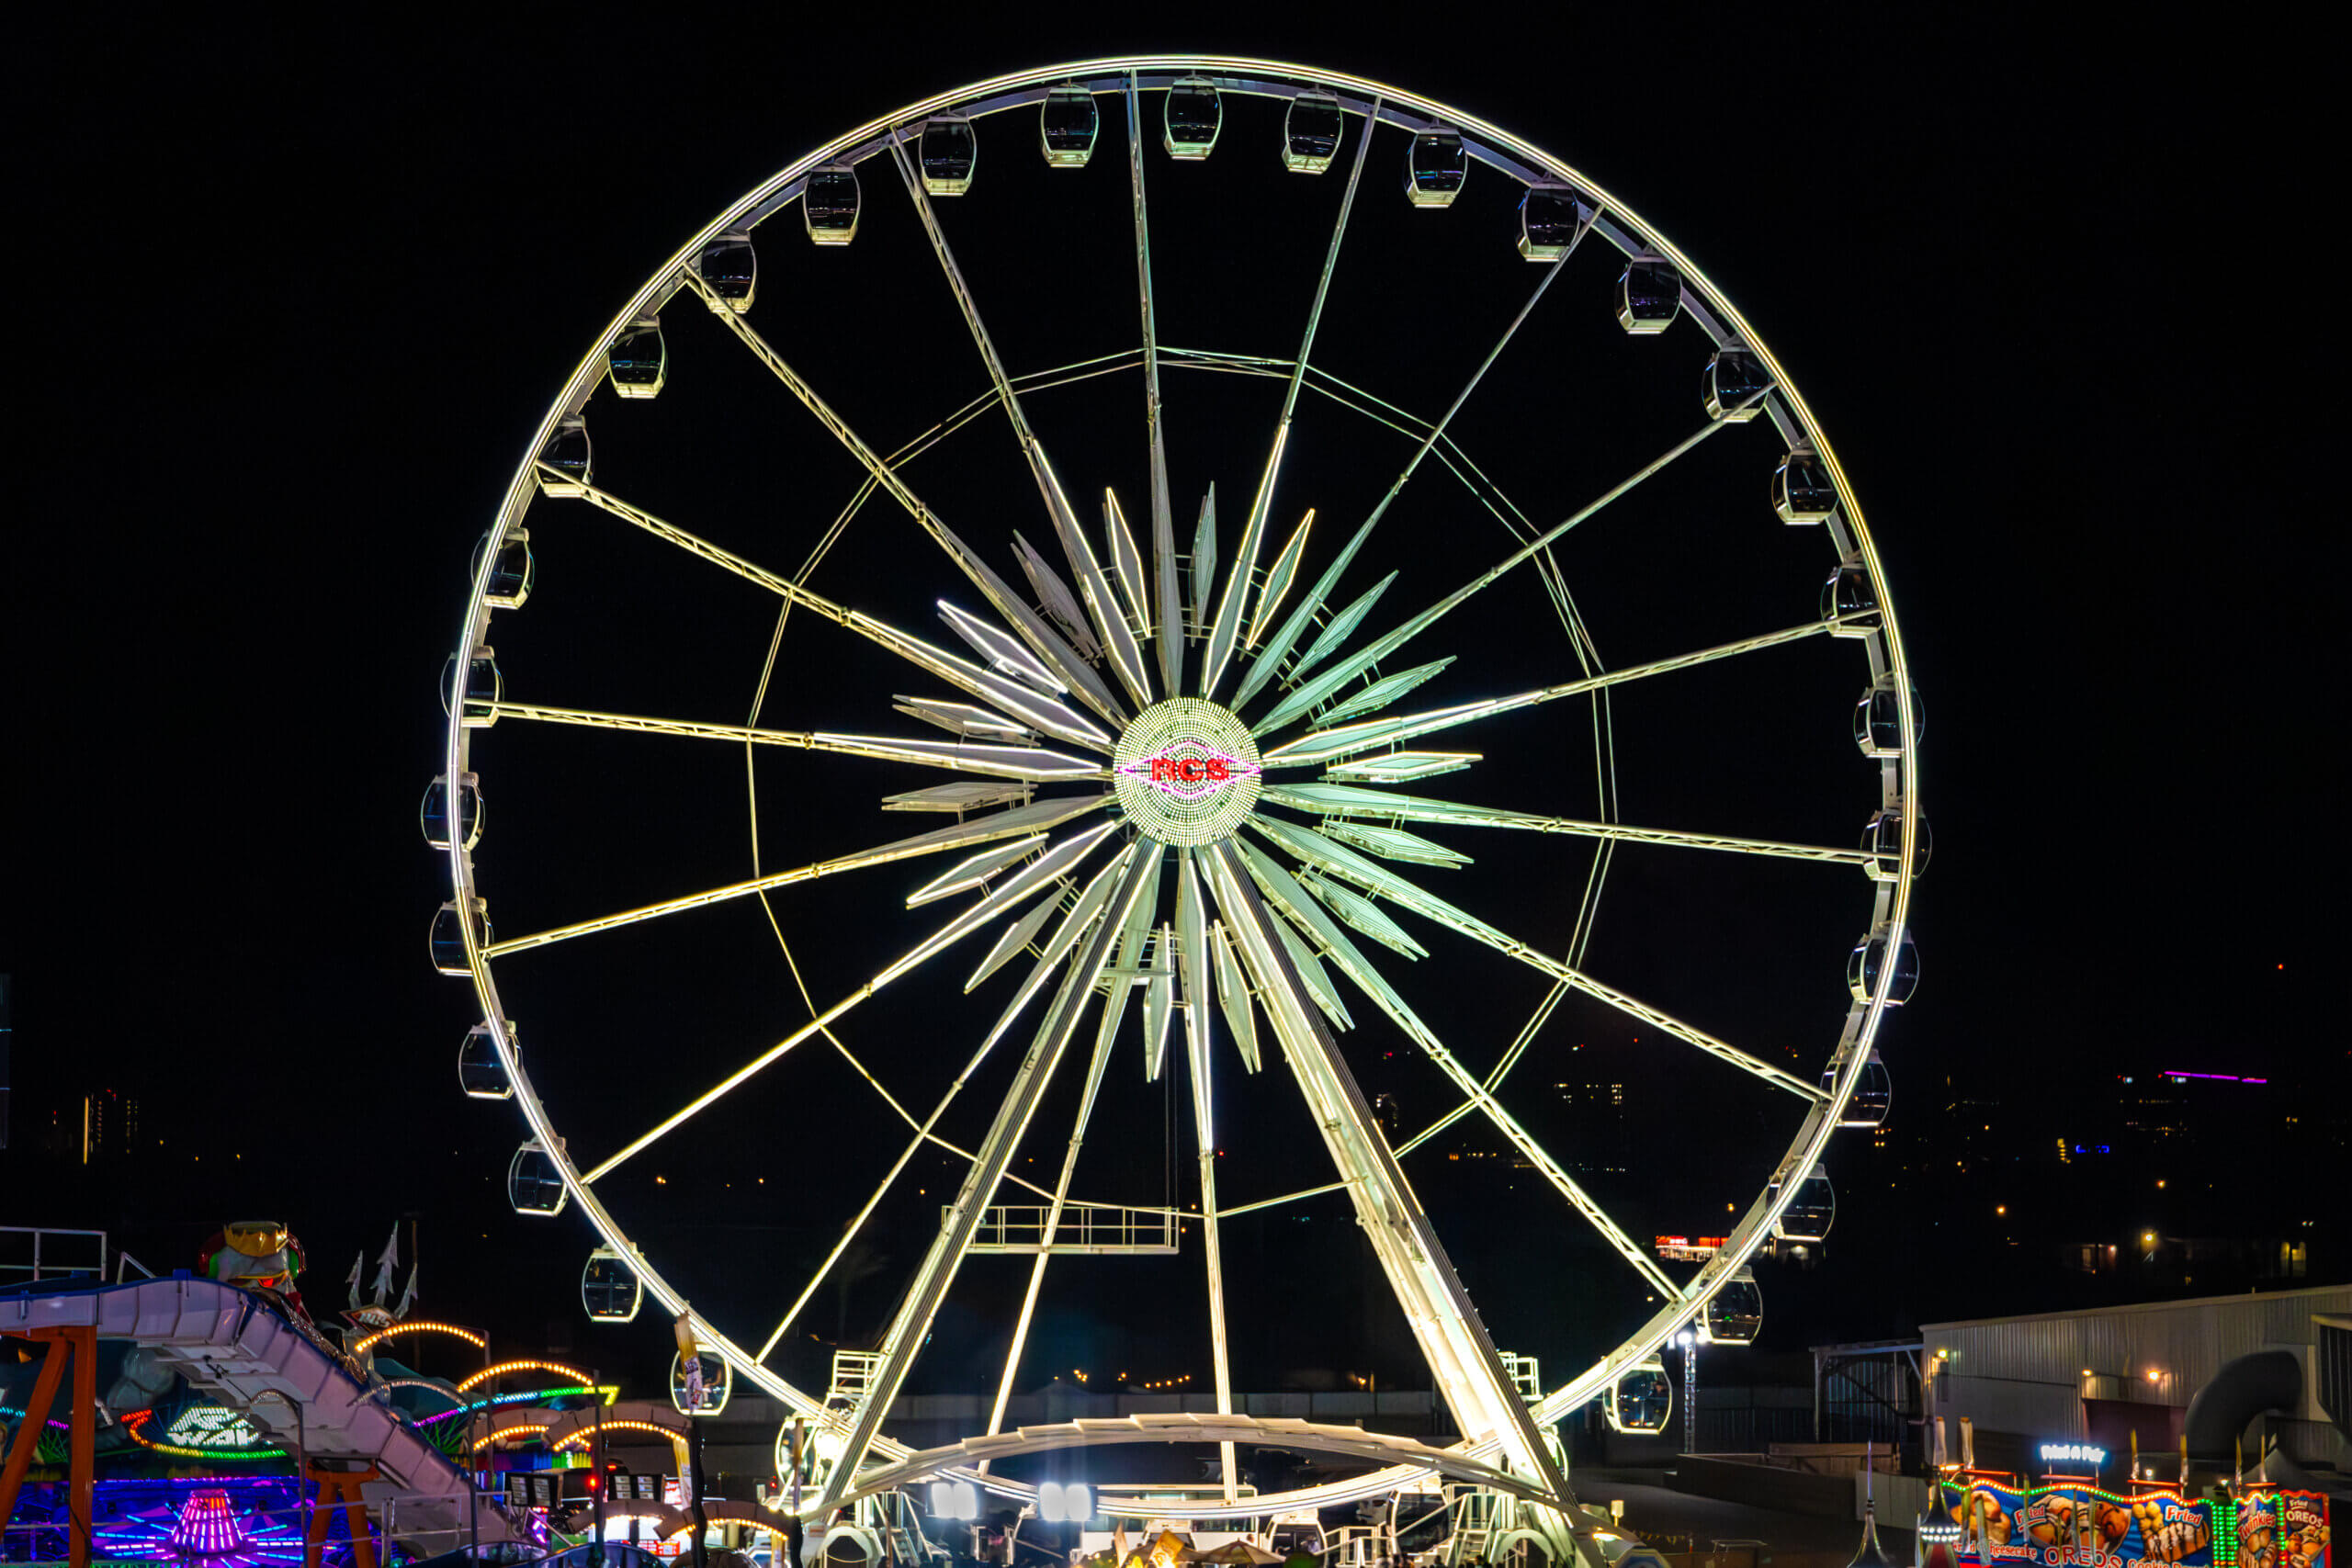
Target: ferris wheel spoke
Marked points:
924	1133
1321	745
1039	874
1074	672
1111	627
1095	1067
1283	890
920	1305
1038	710
1336	860
1272	652
1033	763
1021	821
1163	516
1454	1340
1226	630
1305	695
1351	802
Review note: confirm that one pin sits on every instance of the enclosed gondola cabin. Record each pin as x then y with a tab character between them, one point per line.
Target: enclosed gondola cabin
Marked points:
1733	384
948	152
446	941
609	1291
480	1072
1850	599
1067	123
731	270
637	360
1734	1312
1873	1094
478	701
534	1185
570	455
1811	1211
1189	123
1551	220
1436	165
1877	720
1649	295
434	814
509	583
1884	839
1640	1401
1312	129
1802	491
1868	961
828	204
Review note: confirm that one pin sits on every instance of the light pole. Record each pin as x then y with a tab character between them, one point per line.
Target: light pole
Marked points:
1689	1340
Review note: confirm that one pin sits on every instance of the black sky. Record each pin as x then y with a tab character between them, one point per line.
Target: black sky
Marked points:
297	293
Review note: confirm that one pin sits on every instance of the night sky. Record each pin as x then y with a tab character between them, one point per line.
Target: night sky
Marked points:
306	288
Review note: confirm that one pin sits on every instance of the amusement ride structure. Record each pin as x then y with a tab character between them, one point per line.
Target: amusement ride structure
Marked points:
1188	768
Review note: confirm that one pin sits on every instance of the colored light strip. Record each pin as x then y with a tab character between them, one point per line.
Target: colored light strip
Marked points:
586	1435
478	1405
503	1368
2219	1077
418	1325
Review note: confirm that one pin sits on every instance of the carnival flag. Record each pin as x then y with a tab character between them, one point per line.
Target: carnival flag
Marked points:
357	1264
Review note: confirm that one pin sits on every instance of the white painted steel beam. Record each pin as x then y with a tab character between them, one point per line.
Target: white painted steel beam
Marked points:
1318	747
1452	1337
1034	763
1074	672
903	1340
1022	821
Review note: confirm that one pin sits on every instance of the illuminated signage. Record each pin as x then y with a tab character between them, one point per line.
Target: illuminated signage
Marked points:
1690	1249
2072	1453
1192	776
212	1427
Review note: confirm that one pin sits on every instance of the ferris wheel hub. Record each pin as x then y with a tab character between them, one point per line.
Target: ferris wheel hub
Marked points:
1186	771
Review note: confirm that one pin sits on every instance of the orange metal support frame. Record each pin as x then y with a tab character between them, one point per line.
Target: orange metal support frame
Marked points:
80	1345
340	1489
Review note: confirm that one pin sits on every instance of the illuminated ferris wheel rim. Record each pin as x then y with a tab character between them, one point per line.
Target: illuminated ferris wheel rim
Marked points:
1360	99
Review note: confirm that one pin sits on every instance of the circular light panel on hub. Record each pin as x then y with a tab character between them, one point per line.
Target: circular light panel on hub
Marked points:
1186	771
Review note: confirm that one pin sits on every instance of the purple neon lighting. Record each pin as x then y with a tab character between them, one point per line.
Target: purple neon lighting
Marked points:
207	1527
2223	1077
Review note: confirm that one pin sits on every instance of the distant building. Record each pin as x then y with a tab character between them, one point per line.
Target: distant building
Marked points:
2104	1376
110	1125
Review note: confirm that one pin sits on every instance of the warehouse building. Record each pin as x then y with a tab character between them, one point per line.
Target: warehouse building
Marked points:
2105	1377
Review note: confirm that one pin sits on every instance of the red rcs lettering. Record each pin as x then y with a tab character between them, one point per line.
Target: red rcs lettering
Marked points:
1190	770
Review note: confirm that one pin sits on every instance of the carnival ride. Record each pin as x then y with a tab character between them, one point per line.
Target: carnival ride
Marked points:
167	1374
1189	773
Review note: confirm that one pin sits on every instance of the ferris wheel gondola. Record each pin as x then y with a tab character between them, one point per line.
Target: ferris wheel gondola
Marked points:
1640	1400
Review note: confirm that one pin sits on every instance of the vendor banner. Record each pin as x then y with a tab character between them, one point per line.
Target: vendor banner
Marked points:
2079	1526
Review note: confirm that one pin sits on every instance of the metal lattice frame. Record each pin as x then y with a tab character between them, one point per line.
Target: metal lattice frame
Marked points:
1246	915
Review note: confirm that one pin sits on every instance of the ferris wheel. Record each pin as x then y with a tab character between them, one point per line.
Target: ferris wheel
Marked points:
957	464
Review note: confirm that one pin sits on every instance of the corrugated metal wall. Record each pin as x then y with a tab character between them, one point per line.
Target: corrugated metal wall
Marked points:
2024	1375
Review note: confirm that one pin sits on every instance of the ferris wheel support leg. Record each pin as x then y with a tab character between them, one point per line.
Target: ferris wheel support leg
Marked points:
1094	1070
1197	1058
1454	1339
929	1286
